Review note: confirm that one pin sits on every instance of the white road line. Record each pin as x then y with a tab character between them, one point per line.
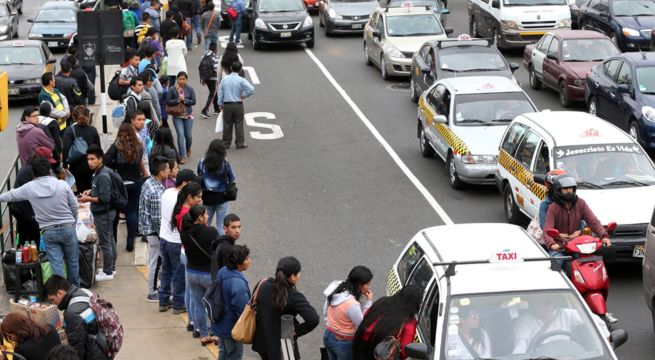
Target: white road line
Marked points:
417	183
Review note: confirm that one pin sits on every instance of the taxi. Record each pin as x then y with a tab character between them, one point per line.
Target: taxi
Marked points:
25	61
495	281
615	176
393	34
462	121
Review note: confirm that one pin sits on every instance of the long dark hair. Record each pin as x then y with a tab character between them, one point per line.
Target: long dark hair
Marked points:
22	328
190	189
215	156
230	55
387	316
163	138
192	216
286	267
476	333
357	277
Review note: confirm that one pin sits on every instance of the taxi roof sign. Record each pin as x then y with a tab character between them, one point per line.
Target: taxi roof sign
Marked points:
505	255
18	43
407	4
554	264
464	37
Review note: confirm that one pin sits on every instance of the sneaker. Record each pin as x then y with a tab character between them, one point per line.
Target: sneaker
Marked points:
154	297
179	311
164	308
189	327
204	114
244	146
196	334
129	248
199	40
182	160
100	271
216	112
104	277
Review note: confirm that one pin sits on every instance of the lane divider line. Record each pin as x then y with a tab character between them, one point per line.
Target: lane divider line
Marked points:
392	153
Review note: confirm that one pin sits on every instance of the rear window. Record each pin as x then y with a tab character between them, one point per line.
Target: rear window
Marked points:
471	59
408	262
422	275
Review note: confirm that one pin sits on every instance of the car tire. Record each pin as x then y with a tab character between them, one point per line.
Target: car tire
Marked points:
367	58
383	68
510	207
564	94
473	27
310	44
592	106
535	83
426	149
633	130
255	44
413	94
453	177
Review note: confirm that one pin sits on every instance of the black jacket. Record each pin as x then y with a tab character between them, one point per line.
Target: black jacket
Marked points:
221	249
198	252
267	329
70	89
23	209
187	8
79	333
78	73
54	133
38	350
165	29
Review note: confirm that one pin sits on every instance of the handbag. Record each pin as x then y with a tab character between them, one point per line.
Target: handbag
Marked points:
177	110
219	123
231	189
244	330
389	348
232	13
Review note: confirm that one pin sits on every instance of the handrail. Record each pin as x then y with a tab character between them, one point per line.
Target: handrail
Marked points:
7	238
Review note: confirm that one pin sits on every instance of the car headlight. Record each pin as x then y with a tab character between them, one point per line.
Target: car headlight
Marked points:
564	23
3	28
578	82
333	14
478	159
260	24
31	35
649	113
630	32
508	25
393	52
308	22
33	81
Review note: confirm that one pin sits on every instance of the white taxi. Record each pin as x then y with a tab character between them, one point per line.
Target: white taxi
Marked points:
615	175
494	281
462	120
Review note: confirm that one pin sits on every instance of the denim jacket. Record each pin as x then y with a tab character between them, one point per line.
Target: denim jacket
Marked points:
216	181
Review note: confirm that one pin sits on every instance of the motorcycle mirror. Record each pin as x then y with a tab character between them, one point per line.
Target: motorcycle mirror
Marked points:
552	232
611	227
540	179
618	337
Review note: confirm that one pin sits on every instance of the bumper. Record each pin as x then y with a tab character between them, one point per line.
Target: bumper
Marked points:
346	26
477	174
622	250
53	42
647	134
18	92
284	37
630	43
520	38
398	66
576	93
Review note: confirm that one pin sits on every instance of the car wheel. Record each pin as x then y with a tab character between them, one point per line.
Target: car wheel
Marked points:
310	44
511	209
473	27
367	58
413	94
453	177
535	83
593	106
633	130
255	44
426	149
383	68
564	94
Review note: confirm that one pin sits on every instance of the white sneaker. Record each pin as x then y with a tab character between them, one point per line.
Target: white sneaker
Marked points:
104	277
100	271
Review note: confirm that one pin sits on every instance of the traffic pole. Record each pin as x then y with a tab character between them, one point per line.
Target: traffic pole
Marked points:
286	337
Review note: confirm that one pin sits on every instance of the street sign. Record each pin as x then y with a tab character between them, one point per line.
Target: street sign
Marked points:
100	37
4	100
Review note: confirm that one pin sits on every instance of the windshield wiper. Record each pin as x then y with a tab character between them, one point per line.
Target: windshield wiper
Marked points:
451	70
541	358
55	21
471	70
627	182
503	120
484	122
648	92
20	63
589	184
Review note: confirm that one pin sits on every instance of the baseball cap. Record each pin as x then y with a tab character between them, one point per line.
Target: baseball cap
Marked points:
46	153
186	175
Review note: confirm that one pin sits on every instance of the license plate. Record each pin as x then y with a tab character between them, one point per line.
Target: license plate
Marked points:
285	34
357	26
53	44
14	91
638	251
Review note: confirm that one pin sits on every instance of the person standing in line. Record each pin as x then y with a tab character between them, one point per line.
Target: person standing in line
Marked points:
183	93
217	173
60	109
233	89
68	86
163	80
131	71
80	129
222	248
29	135
169	182
62	352
278	296
150	219
142	29
153	11
51	124
235	32
211	23
103	213
55	209
211	82
164	145
176	50
129	24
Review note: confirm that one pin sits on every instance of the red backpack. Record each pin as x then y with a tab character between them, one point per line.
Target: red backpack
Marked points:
110	327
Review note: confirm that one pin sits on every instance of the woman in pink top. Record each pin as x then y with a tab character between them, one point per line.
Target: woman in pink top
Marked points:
190	195
343	311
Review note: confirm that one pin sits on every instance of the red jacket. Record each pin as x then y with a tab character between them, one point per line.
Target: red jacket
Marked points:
406	334
568	221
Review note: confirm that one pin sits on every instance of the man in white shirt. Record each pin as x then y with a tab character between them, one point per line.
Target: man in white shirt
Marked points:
176	51
544	314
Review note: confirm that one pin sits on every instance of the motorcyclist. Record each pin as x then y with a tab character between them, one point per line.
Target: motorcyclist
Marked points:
545	203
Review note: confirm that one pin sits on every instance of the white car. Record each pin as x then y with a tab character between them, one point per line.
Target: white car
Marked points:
616	177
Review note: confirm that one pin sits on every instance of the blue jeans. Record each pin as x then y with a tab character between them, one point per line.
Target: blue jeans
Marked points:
195	23
131	213
187	290
211	38
337	349
172	273
184	131
199	282
220	210
235	33
229	349
61	245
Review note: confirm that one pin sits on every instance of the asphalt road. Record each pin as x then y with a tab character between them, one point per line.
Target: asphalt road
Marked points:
325	189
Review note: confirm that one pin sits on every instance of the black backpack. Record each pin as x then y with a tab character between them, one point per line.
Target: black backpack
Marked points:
206	67
114	90
118	191
213	300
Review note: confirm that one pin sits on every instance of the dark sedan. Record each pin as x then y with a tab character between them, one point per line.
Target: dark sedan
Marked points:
280	22
627	22
55	23
8	22
440	59
345	16
621	90
25	62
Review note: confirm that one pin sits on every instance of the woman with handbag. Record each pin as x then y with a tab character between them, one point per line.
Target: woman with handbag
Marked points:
181	98
80	130
276	297
388	326
217	175
197	238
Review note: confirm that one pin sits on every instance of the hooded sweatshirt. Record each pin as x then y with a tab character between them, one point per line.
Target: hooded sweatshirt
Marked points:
28	138
53	200
344	313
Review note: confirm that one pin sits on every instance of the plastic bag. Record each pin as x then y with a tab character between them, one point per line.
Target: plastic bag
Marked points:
219	123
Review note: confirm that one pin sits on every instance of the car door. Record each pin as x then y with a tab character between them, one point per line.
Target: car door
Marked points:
550	64
368	33
428	317
422	60
377	43
524	156
589	14
535	191
603	85
493	17
508	168
404	267
648	270
620	104
602	18
539	54
442	106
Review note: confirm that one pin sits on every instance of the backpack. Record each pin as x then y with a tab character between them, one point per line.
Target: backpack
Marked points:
232	13
206	67
118	191
119	112
129	23
78	151
114	90
213	301
110	329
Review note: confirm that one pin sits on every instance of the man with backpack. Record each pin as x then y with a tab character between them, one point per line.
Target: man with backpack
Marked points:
208	70
129	24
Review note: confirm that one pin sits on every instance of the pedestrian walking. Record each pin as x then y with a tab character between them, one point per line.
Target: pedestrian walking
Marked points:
235	32
279	296
345	305
29	135
103	213
32	340
190	10
50	123
222	248
229	56
236	294
130	20
78	166
125	156
216	173
60	109
233	89
176	51
55	209
150	219
211	23
163	145
166	27
182	93
389	316
208	71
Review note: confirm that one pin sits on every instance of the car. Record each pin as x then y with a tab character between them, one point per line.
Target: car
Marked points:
8	22
280	22
621	90
439	7
627	22
440	59
497	272
344	16
25	61
462	121
55	23
562	59
516	23
648	268
393	35
574	6
615	176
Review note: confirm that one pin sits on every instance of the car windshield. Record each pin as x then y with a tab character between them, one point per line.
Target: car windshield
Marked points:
432	3
646	79
413	25
3	11
606	165
56	15
281	5
533	2
471	59
588	49
528	325
20	56
490	108
633	8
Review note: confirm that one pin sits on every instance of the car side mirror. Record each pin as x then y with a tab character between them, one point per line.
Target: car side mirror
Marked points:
495	4
417	351
449	31
554	233
540	179
513	66
440	119
618	337
611	227
623	89
551	57
376	34
444	11
52	61
30	20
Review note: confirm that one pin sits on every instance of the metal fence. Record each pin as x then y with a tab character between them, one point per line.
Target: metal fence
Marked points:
7	222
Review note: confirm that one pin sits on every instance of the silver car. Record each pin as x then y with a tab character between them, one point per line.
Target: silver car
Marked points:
8	22
345	16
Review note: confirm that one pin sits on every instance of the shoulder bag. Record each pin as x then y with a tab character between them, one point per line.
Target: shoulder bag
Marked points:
244	330
177	110
231	187
389	348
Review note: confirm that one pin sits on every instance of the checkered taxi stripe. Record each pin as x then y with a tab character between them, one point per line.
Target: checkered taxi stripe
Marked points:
523	175
456	144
